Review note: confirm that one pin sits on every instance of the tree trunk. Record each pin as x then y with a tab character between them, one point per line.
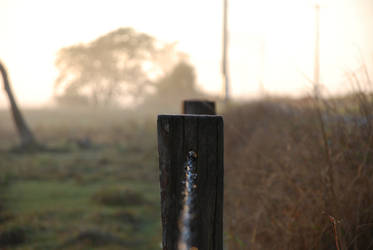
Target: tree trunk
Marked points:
25	134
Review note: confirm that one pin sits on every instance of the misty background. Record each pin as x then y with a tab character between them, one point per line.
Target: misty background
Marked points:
271	43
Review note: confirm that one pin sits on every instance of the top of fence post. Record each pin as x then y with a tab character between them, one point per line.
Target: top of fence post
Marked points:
199	107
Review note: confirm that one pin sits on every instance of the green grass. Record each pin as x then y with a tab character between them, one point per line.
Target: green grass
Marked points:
49	199
38	196
56	211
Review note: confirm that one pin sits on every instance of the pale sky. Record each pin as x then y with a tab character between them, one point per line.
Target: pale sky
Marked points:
270	40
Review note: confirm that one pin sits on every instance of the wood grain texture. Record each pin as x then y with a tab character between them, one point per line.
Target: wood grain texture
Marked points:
177	135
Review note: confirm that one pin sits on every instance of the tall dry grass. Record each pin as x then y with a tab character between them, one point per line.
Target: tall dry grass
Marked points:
298	174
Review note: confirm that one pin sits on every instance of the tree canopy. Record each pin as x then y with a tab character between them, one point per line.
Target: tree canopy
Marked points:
176	85
181	79
122	63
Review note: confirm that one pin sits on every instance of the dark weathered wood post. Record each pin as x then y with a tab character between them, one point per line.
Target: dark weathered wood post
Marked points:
199	107
28	140
178	135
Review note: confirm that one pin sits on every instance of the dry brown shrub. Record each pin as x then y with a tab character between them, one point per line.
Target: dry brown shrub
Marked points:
299	176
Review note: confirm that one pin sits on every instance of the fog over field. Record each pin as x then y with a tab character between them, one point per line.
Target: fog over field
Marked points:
271	43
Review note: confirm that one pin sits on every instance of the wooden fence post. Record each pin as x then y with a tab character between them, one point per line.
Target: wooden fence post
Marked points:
199	107
178	135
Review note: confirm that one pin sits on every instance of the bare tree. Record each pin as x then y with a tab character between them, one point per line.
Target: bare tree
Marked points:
27	138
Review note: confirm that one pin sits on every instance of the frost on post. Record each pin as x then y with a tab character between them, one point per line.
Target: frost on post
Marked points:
189	183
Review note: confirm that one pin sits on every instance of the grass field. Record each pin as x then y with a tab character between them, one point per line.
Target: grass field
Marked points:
297	176
100	194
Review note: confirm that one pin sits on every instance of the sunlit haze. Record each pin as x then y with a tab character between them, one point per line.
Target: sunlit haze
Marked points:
270	42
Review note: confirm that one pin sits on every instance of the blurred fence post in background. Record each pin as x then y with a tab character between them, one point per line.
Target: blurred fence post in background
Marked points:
199	107
178	135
